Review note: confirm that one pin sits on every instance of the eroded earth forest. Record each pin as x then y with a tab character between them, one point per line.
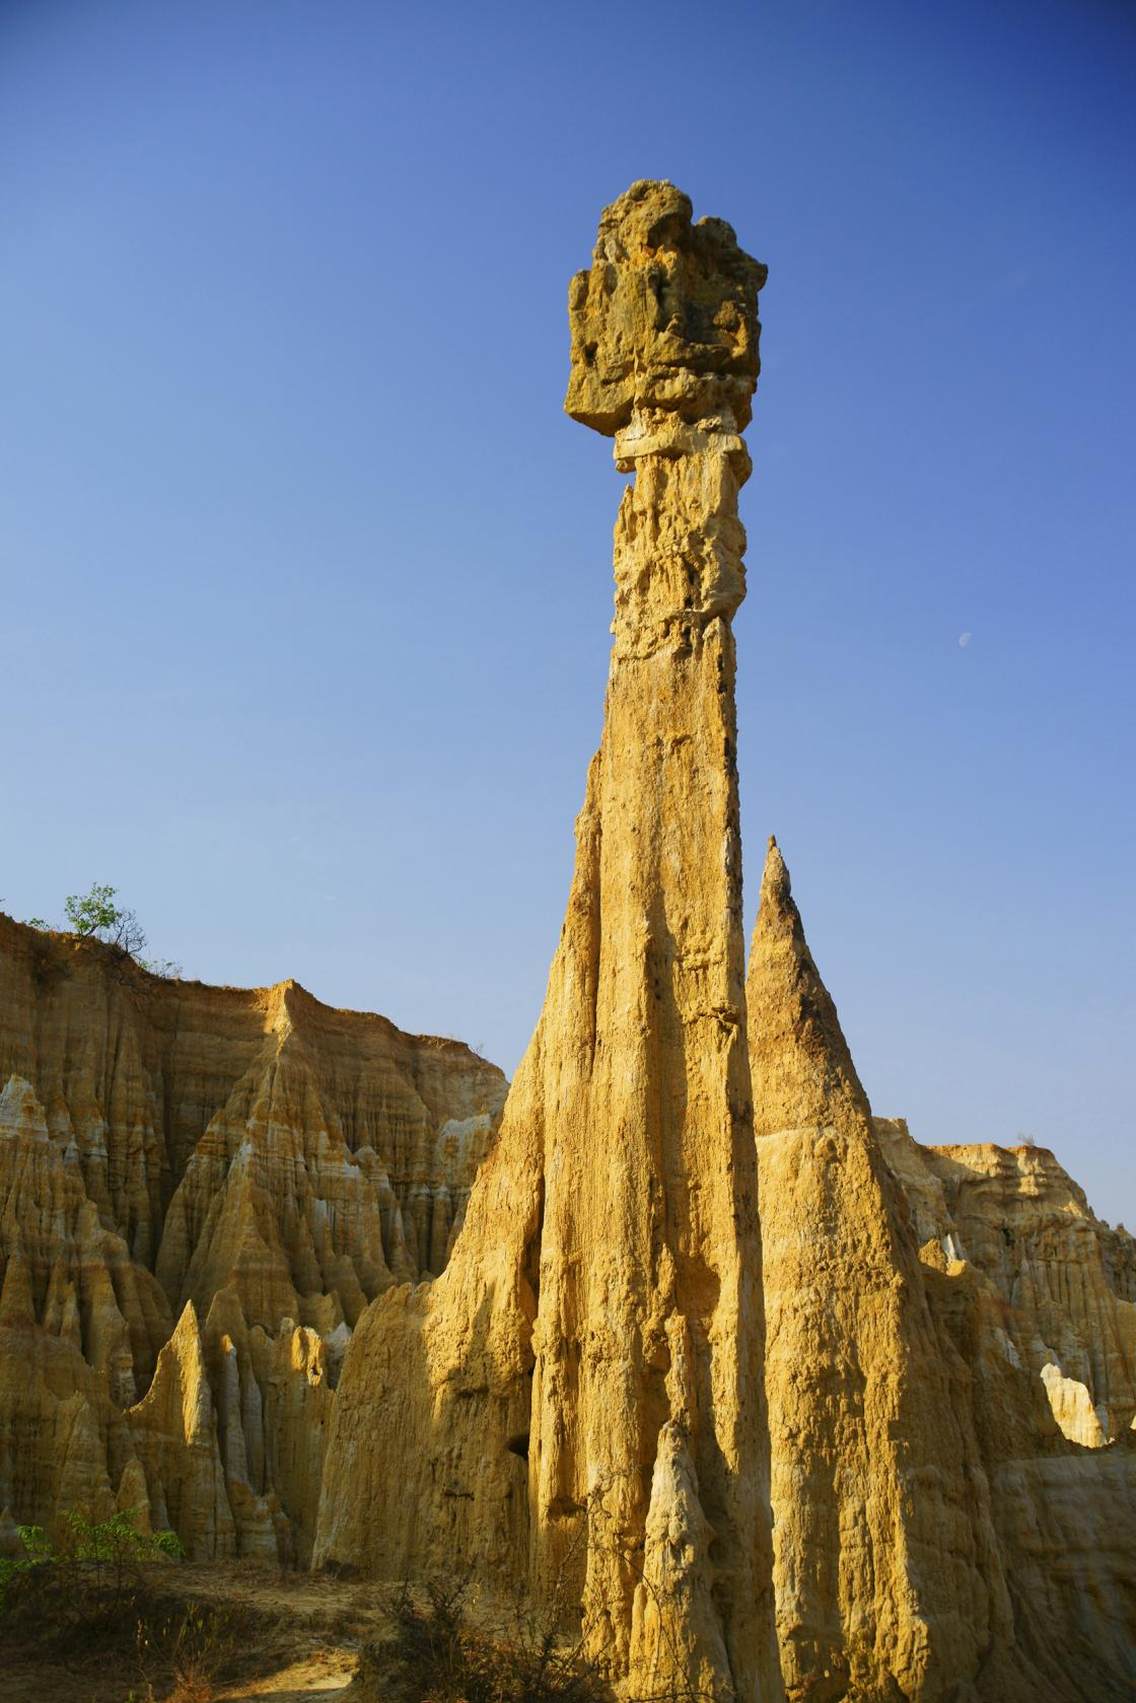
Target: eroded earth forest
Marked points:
763	1397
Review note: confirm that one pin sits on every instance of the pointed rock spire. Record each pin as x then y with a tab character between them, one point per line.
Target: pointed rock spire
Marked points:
174	1428
132	1496
859	1394
802	1068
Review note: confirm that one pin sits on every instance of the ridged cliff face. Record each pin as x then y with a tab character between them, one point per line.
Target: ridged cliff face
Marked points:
1065	1282
251	1166
575	1402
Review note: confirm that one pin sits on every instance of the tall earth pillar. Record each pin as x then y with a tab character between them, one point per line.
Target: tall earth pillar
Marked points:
579	1397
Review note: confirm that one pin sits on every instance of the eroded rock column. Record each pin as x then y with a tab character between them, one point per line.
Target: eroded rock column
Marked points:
577	1400
887	1574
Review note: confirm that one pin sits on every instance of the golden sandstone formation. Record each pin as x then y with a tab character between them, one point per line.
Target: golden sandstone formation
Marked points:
760	1395
861	1402
573	1403
251	1167
946	1523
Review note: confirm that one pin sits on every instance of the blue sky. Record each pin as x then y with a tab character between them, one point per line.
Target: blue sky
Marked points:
306	577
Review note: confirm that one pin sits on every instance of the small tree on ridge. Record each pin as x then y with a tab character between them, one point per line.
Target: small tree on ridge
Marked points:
95	913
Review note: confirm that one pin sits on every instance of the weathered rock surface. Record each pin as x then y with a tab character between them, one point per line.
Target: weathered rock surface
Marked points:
226	1216
935	1533
251	1163
884	1577
1063	1278
1030	1287
174	1429
580	1381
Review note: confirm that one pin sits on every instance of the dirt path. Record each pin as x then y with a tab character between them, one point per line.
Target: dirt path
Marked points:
326	1674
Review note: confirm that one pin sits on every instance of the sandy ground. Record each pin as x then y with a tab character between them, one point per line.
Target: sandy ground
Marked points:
327	1673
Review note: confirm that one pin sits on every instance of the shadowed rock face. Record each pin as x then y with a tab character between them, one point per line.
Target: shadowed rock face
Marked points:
1061	1280
251	1162
574	1400
1029	1290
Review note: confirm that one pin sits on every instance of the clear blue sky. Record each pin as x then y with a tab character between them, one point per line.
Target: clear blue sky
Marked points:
306	578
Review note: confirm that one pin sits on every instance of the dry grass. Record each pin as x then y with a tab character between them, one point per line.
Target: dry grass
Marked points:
188	1650
143	1639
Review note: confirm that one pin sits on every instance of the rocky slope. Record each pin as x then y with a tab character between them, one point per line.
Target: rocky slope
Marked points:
251	1166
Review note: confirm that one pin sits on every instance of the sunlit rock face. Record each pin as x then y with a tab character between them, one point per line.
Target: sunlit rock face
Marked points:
252	1164
290	1281
576	1400
954	1515
886	1575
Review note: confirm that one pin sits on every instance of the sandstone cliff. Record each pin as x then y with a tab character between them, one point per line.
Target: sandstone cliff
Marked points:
573	1402
1027	1283
1063	1281
252	1163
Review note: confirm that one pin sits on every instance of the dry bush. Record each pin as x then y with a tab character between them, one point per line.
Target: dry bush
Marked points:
435	1655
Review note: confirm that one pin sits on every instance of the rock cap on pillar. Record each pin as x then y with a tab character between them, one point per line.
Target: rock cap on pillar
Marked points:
665	319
